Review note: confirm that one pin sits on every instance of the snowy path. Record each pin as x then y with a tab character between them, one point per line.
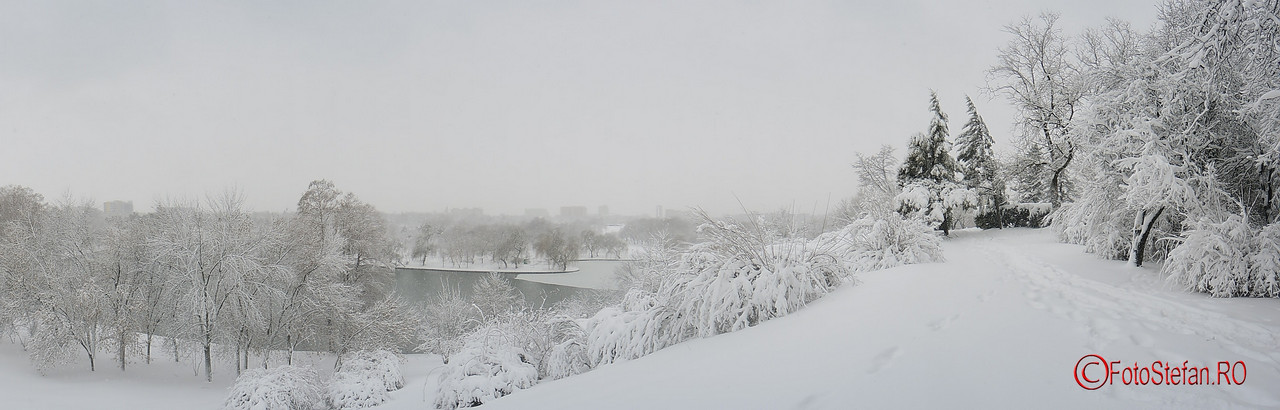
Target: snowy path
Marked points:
1002	324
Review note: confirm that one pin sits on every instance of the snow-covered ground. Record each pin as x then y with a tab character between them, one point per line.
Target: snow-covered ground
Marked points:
1002	324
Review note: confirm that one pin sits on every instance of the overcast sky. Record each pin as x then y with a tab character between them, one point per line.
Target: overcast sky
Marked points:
419	106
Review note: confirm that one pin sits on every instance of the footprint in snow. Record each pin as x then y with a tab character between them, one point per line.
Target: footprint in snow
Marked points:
943	323
884	359
1142	339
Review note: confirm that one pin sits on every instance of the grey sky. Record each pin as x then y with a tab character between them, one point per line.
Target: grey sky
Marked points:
418	106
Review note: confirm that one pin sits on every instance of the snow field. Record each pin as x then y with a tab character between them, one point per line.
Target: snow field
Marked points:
1001	325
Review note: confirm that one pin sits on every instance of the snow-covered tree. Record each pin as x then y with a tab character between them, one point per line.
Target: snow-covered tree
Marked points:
424	241
214	256
928	176
445	321
877	185
1035	73
360	291
557	248
1173	144
494	295
977	164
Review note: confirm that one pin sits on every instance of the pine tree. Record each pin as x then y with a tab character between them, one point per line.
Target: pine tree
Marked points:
928	176
977	163
929	154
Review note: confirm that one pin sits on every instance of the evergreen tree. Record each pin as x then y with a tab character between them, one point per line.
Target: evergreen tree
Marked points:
980	170
929	154
928	176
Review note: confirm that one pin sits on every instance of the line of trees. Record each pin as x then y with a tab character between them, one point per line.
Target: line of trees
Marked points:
1158	144
206	276
463	242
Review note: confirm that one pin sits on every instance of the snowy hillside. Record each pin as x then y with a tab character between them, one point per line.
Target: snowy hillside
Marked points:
1002	324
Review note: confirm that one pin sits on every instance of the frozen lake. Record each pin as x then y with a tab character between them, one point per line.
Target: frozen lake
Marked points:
539	289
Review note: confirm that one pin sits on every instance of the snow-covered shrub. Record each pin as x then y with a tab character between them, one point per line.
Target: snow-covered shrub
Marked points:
641	324
1264	264
1094	222
281	387
567	355
744	275
382	366
491	364
655	259
869	244
363	379
354	391
934	202
1025	215
1213	258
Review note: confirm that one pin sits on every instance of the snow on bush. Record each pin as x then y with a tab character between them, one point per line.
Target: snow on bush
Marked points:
640	325
364	378
869	244
281	387
1227	259
567	355
1264	264
491	364
934	202
734	285
354	391
741	276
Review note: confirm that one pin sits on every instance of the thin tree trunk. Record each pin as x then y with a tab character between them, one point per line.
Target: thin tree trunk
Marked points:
1141	232
121	349
208	358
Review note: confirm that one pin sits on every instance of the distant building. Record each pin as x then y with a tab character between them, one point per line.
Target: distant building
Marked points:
659	215
537	213
117	208
602	211
573	211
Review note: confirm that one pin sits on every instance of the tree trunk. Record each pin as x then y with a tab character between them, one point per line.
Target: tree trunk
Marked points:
946	223
208	358
121	352
1141	232
148	347
1059	193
